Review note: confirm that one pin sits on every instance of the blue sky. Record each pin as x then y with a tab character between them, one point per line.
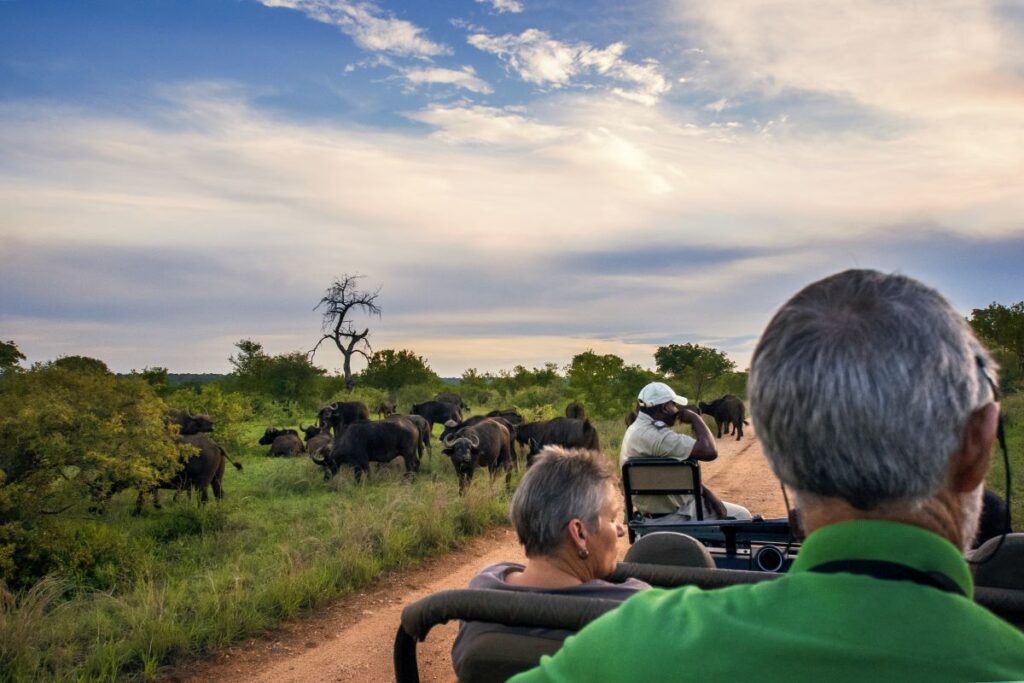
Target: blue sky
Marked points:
523	179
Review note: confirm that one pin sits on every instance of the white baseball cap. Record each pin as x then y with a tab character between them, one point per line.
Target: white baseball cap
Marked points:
656	393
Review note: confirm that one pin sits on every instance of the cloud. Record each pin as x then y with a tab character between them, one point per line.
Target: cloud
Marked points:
923	60
585	217
538	58
465	78
369	26
502	6
476	123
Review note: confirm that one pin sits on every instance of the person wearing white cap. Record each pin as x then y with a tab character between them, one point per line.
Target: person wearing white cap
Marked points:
651	436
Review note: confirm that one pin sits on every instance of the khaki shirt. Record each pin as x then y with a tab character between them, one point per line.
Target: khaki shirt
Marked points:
646	438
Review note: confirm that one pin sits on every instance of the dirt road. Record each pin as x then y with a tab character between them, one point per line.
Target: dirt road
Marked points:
352	640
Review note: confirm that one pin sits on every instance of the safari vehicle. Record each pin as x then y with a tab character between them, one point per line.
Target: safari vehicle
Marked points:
666	552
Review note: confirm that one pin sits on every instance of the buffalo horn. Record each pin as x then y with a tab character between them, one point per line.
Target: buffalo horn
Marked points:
473	439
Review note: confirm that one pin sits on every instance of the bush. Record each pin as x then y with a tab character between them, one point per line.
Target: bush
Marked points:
71	435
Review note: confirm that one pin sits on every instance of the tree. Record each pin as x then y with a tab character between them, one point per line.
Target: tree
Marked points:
10	356
1002	326
390	370
342	299
291	377
694	364
250	365
605	384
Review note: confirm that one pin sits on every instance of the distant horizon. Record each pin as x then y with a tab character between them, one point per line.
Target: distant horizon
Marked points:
523	180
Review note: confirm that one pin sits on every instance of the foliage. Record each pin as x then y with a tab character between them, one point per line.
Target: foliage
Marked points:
605	384
82	364
156	376
285	377
508	383
226	409
389	370
1002	327
10	357
69	436
693	364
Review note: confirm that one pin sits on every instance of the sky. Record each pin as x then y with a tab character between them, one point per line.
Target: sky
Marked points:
523	180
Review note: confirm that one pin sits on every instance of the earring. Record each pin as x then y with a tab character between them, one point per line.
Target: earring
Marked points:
583	553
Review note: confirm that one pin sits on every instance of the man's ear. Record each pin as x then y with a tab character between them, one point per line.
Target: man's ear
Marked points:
970	463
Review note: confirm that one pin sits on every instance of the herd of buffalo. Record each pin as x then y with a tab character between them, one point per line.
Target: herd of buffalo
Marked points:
344	434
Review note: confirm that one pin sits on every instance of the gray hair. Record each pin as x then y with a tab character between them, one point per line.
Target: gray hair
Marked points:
561	485
861	386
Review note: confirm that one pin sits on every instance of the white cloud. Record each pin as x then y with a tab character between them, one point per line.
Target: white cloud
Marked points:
502	6
539	58
474	123
465	78
924	60
289	205
368	25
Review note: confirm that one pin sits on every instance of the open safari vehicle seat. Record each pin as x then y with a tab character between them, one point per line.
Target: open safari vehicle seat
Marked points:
497	656
758	544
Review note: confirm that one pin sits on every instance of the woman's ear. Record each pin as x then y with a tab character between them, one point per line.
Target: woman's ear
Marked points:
970	463
578	533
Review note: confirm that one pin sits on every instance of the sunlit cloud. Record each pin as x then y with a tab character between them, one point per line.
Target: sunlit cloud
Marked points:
369	26
538	58
464	78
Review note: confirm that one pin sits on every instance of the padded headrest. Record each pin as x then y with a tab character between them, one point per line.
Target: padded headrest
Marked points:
671	548
1006	568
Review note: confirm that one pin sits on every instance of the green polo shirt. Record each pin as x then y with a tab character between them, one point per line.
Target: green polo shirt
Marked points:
805	626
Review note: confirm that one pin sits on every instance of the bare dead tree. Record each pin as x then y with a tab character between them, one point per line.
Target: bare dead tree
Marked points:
342	299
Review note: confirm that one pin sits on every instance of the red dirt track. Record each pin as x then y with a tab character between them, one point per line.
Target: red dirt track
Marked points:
352	639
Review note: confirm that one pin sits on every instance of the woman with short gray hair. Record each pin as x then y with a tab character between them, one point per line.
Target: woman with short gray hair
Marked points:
568	515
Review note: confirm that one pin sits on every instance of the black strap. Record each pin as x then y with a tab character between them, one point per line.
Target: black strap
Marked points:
891	571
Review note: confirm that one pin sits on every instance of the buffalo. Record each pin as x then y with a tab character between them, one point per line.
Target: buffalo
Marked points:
727	411
484	444
316	437
422	427
363	442
205	468
509	415
437	412
575	411
385	408
282	442
340	413
452	398
561	431
189	424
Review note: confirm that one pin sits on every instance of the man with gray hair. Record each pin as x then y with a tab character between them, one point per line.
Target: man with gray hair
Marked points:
873	401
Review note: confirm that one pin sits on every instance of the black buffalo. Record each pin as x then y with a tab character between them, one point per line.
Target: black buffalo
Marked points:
727	411
337	415
282	442
205	468
453	398
561	431
437	412
509	415
575	411
363	442
484	444
316	437
189	424
422	427
385	408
